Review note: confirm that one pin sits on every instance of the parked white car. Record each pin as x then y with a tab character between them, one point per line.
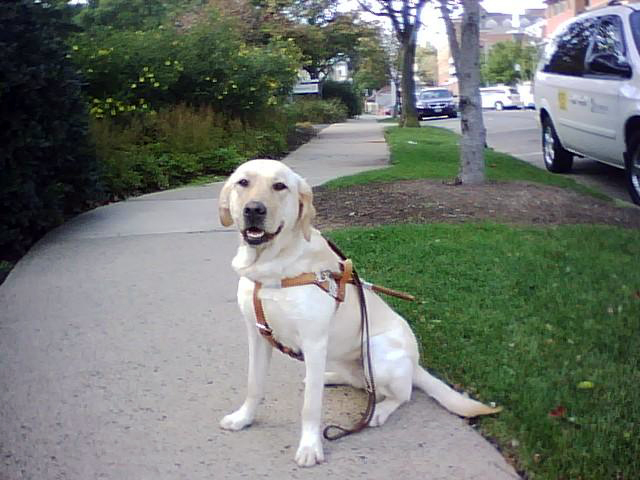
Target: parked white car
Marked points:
525	89
587	91
500	97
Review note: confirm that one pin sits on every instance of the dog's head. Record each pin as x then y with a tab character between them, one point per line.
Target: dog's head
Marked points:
265	198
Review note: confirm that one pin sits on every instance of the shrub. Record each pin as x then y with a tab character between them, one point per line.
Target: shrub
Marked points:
208	64
315	110
166	149
47	169
346	93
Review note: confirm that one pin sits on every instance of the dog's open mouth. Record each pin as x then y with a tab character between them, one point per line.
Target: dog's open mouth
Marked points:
258	236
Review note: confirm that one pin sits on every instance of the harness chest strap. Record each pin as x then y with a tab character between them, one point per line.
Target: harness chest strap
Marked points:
334	283
331	282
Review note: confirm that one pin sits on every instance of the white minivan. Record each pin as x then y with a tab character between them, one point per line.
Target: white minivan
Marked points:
587	91
500	97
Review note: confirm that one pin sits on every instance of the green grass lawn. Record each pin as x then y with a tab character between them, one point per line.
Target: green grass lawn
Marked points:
431	152
544	321
535	319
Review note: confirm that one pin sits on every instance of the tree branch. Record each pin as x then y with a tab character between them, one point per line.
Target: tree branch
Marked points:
454	46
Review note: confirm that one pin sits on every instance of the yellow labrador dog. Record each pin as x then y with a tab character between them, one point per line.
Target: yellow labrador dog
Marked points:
271	207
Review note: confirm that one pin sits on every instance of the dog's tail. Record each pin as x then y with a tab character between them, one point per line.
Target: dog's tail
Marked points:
447	397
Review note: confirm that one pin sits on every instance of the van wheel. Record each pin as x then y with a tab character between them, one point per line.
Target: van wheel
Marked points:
556	158
499	106
632	169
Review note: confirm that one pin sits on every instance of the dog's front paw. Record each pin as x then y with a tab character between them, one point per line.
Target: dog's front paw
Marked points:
236	420
310	455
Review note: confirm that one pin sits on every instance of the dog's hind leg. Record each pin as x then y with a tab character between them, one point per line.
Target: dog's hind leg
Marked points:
393	376
344	373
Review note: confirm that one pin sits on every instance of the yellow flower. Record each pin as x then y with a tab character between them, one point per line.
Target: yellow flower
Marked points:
133	85
75	48
145	69
109	100
156	84
141	79
167	63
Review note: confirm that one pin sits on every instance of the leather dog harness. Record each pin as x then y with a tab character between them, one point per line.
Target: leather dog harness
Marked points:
334	283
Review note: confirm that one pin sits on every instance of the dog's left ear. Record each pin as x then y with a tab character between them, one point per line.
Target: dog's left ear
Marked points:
223	204
307	211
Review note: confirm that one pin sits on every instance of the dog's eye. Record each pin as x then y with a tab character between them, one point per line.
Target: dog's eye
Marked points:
243	183
279	186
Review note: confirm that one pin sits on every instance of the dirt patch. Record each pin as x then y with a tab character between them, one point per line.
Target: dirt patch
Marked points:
421	201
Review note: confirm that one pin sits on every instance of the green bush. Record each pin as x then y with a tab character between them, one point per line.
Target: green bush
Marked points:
208	64
346	93
163	150
47	169
315	110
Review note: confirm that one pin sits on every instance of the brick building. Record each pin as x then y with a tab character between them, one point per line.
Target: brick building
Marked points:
558	11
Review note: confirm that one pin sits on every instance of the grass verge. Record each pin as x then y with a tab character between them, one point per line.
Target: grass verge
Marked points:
411	147
543	321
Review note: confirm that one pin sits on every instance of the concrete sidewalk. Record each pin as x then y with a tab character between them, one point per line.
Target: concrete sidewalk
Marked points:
121	348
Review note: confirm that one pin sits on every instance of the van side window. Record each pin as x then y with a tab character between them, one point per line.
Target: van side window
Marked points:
608	38
565	54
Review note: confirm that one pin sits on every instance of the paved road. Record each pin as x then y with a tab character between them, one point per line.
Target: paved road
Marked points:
121	348
517	132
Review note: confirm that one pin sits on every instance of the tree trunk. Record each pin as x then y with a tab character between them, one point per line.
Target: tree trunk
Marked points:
472	124
409	115
467	61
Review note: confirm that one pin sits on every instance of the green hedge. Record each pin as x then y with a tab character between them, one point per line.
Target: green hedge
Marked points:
47	170
346	93
316	110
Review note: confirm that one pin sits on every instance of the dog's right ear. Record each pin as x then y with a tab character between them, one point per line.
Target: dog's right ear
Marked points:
223	204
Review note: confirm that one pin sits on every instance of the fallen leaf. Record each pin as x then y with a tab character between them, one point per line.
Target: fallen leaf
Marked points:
585	385
558	412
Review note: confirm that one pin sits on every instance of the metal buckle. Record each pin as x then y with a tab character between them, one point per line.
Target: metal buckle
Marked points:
264	329
327	276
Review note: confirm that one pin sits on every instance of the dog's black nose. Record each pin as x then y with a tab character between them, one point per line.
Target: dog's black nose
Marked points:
255	211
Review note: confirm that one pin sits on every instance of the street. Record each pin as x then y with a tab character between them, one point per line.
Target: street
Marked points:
517	132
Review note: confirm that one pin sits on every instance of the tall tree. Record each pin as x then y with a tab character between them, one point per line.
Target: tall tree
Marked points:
465	48
405	19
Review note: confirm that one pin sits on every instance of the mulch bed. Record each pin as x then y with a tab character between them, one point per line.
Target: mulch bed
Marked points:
422	201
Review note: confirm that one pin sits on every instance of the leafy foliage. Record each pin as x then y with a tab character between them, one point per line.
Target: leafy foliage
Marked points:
155	152
499	65
346	93
315	110
130	14
132	71
48	171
